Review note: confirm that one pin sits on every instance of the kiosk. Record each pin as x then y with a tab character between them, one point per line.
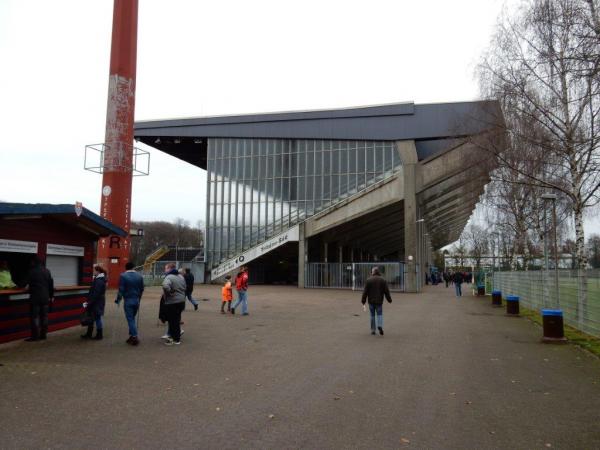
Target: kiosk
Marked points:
65	238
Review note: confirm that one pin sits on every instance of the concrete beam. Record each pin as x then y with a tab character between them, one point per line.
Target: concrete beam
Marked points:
410	162
378	196
302	255
450	163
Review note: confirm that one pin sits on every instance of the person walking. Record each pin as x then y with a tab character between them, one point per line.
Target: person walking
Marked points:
174	288
226	294
241	286
96	302
41	294
189	287
376	288
131	288
458	279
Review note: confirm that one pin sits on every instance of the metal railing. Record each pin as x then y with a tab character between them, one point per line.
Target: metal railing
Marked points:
352	275
578	294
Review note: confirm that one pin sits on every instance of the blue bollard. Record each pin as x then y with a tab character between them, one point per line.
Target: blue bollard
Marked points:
553	325
512	305
496	298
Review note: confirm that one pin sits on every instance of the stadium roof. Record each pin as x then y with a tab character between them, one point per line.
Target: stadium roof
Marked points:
433	126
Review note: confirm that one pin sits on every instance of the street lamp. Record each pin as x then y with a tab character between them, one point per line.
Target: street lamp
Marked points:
552	198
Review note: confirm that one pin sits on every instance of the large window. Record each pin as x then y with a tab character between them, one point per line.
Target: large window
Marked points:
260	187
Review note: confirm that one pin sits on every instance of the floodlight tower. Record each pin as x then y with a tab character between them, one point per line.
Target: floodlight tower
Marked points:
117	154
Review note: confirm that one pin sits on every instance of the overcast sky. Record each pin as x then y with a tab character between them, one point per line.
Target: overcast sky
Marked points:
200	58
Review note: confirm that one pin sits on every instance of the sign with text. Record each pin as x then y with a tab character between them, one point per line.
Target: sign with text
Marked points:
10	245
290	235
65	250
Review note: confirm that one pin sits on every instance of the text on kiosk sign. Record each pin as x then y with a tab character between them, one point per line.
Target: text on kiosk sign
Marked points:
290	235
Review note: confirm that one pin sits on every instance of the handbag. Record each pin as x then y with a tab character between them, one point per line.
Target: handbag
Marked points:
162	310
86	318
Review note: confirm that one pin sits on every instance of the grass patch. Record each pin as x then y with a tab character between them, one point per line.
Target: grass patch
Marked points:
579	338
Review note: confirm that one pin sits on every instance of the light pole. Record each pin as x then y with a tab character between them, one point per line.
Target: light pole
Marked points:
420	253
552	197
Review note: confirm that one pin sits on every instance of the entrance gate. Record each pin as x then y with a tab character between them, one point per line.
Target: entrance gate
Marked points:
352	275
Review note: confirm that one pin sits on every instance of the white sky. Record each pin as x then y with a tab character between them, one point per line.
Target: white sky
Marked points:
212	57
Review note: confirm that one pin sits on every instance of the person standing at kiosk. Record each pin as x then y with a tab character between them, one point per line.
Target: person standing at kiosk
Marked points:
41	293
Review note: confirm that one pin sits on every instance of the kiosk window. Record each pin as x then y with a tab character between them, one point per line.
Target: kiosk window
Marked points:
64	269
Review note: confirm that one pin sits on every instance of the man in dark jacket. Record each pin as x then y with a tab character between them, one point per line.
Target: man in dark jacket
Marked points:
95	303
41	293
458	279
375	289
189	287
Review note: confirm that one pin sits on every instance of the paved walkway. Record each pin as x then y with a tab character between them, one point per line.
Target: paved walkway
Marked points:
303	371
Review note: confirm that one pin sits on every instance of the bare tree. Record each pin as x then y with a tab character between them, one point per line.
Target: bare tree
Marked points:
594	250
544	66
477	241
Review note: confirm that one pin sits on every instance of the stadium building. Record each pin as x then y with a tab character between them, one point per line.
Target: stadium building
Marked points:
309	197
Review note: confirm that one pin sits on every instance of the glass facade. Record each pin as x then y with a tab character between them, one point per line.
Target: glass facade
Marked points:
260	187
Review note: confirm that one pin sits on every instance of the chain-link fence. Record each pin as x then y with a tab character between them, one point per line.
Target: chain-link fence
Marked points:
575	292
352	275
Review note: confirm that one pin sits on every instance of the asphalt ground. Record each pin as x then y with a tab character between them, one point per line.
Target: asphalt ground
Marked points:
303	371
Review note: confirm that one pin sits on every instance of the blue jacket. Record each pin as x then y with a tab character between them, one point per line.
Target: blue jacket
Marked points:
131	285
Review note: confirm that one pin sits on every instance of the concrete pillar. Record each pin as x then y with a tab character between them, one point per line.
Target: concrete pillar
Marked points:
302	256
341	254
325	249
408	156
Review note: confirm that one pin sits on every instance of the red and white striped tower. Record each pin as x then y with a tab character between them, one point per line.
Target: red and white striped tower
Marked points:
113	251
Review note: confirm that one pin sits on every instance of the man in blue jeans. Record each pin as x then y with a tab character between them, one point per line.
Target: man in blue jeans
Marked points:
458	279
376	289
241	286
131	287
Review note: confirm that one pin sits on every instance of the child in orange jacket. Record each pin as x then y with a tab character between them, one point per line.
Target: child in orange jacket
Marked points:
226	294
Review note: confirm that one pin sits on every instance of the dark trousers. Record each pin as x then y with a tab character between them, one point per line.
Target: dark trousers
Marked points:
173	313
38	316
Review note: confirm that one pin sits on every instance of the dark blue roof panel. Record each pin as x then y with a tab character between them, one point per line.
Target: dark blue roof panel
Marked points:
185	138
102	226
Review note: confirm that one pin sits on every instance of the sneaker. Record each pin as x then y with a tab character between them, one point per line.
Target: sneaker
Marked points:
181	334
169	341
245	314
373	332
380	330
31	339
134	340
176	342
196	307
166	336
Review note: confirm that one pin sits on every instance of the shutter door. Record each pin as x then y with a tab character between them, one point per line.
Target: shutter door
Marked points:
64	269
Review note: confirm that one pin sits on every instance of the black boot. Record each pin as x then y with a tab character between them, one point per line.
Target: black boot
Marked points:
88	335
98	336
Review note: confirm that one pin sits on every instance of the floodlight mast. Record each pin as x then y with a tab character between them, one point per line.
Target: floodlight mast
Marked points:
113	251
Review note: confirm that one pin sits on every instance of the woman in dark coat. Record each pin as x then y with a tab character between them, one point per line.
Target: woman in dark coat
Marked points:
95	303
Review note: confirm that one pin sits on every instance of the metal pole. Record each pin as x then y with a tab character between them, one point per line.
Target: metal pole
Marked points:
113	251
555	255
546	262
550	196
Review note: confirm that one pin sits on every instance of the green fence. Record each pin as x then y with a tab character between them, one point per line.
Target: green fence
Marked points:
577	295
